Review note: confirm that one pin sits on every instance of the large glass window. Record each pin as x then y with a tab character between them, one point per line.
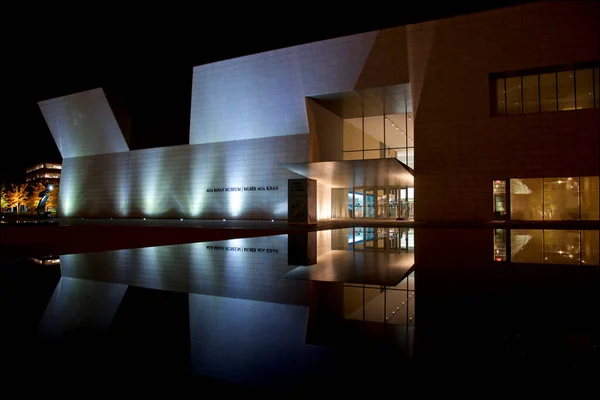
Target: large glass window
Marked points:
561	199
513	95
584	88
561	90
499	101
566	90
548	92
531	100
500	200
395	131
526	198
380	136
552	199
596	87
590	198
353	134
373	131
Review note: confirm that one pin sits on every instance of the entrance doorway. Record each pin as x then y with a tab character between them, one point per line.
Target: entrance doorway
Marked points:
380	202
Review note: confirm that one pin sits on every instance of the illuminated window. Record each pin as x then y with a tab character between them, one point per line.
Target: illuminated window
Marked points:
566	90
531	91
548	92
584	88
562	89
513	95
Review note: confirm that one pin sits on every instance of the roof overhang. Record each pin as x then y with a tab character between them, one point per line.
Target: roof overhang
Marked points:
352	173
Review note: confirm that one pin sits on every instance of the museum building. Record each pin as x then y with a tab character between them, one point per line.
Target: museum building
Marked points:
490	115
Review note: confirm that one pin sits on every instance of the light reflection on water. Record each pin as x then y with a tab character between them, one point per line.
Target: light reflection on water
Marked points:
285	309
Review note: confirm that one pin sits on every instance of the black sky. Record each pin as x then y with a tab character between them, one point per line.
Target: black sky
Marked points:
145	58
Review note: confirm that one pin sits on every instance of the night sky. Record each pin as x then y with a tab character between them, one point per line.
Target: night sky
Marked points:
145	59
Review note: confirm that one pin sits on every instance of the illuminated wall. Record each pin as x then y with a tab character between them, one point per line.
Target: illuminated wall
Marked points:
461	146
184	181
83	124
239	268
323	201
263	95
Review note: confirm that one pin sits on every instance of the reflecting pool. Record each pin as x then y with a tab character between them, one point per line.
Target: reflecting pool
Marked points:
309	310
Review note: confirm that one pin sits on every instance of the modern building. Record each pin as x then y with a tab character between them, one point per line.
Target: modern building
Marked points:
487	115
43	172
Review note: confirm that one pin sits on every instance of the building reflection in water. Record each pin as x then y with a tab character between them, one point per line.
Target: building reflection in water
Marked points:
281	309
241	310
547	246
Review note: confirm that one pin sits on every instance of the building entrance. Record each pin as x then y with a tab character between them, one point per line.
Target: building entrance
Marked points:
379	202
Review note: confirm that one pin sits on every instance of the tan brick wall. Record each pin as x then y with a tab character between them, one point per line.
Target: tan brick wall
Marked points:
459	148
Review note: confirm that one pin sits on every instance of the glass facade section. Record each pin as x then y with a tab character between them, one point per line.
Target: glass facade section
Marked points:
380	136
373	132
564	89
352	135
500	200
551	199
526	197
548	92
353	155
499	102
373	202
596	87
561	199
590	197
513	96
584	88
531	94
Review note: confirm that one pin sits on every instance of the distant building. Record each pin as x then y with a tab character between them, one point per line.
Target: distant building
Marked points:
43	172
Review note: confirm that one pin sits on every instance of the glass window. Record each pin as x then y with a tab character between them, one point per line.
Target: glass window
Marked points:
353	155
548	92
395	130
373	130
566	90
589	187
526	199
401	155
584	88
513	95
353	136
596	86
499	106
531	100
561	199
372	154
526	246
499	194
411	157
